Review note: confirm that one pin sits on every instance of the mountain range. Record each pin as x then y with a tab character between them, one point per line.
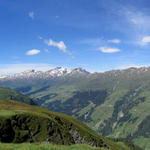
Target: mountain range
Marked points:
53	73
114	103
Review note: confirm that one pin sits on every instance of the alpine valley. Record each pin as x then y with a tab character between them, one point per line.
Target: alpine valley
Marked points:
116	104
36	128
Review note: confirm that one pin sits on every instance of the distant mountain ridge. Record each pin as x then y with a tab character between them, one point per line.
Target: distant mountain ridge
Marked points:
62	71
52	73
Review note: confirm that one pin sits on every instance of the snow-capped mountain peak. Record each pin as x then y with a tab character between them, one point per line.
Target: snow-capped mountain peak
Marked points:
3	76
53	73
59	71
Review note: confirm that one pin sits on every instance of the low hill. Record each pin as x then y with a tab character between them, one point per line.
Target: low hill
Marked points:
24	123
9	94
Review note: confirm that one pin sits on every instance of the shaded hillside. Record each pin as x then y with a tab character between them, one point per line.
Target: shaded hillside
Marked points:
24	123
9	94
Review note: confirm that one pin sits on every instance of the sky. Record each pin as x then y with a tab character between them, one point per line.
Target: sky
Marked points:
97	35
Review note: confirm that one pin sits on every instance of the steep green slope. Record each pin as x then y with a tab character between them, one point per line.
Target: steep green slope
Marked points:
24	123
114	103
9	94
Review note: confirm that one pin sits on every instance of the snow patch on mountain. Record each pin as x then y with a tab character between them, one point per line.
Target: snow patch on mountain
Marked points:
3	76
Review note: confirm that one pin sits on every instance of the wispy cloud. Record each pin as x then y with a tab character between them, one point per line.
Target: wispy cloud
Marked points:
17	68
100	41
109	50
104	45
31	15
60	45
138	20
116	41
33	52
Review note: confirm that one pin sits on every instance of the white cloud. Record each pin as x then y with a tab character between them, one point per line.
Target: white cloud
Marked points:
116	41
33	52
31	15
17	68
146	39
109	50
60	45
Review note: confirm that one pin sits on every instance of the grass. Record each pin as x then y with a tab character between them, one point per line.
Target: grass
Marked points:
27	146
144	142
123	145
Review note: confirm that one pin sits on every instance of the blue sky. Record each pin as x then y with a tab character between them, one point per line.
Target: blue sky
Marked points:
97	35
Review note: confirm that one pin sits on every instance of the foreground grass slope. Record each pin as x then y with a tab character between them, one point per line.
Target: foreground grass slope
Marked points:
24	123
27	146
46	147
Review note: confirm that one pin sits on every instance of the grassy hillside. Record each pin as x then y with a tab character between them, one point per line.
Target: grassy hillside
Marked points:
9	94
44	146
24	123
27	146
